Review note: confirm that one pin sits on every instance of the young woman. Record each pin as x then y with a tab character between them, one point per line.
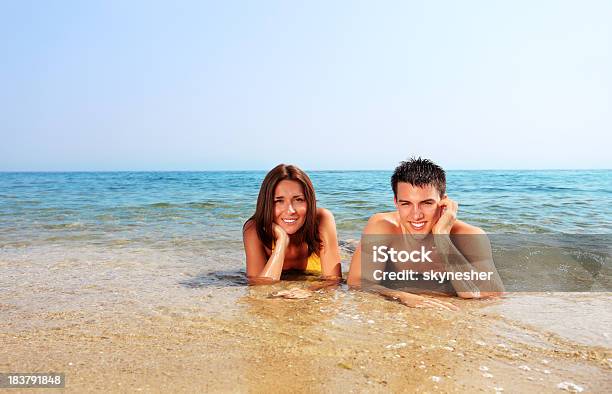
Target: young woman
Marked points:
288	231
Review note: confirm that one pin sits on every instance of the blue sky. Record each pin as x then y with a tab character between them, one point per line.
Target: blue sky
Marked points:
143	85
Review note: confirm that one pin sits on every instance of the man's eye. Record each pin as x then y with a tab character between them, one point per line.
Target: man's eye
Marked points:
428	203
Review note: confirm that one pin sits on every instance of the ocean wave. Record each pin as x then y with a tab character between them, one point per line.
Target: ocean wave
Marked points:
189	205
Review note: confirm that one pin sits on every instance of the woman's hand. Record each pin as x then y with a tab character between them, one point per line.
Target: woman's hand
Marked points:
280	236
417	301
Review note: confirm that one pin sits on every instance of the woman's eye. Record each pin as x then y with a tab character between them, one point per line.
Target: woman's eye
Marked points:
299	199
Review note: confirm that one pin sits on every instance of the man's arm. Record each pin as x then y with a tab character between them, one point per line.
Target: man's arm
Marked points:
412	300
378	225
471	252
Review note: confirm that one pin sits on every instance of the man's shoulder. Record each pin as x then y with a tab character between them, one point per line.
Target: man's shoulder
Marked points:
383	223
464	228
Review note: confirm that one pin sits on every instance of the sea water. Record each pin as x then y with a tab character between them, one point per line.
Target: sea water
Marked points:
85	239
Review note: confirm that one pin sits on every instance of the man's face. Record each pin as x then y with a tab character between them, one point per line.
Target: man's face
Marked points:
417	207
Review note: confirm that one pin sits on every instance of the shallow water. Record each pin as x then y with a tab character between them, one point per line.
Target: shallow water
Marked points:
112	320
57	279
158	257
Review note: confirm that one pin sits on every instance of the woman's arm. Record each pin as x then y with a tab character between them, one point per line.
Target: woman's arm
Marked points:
260	269
329	253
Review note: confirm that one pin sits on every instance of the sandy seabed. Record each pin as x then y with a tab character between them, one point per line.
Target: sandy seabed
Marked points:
238	339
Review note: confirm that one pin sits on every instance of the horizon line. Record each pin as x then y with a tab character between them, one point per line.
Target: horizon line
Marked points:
318	170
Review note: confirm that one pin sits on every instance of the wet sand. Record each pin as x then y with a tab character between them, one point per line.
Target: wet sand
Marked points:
238	339
157	321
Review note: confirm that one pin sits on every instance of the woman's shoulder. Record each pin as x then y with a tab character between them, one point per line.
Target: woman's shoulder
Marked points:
249	228
325	221
324	215
250	236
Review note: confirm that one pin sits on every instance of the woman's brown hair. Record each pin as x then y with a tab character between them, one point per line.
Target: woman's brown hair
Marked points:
263	217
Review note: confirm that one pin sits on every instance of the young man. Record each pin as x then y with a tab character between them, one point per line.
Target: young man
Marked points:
460	253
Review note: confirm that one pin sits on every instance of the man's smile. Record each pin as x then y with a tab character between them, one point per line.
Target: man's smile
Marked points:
417	225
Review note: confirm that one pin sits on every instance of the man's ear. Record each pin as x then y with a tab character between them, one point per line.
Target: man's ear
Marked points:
395	201
444	196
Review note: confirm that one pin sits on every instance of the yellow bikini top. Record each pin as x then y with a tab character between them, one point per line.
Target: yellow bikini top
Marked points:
314	263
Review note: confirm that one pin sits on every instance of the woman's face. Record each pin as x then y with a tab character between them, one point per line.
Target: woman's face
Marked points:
289	206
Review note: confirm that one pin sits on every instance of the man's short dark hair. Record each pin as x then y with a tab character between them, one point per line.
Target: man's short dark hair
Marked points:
419	172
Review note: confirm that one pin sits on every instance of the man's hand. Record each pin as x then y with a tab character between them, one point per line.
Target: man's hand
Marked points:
417	301
280	235
448	216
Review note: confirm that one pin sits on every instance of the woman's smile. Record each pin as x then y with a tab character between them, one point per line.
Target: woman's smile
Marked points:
290	206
